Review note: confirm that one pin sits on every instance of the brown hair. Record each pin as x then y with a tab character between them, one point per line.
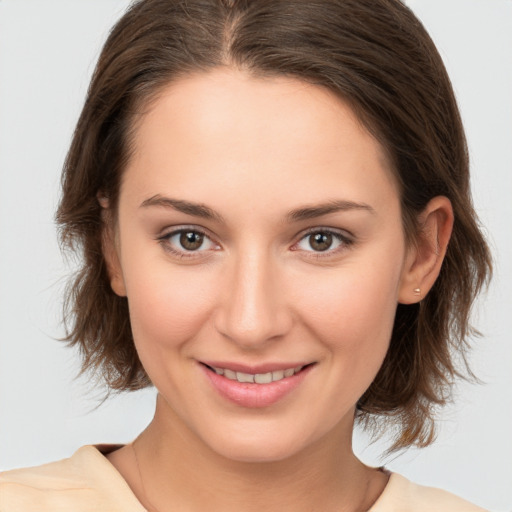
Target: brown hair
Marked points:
372	53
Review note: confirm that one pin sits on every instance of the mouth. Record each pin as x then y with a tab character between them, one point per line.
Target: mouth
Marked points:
257	378
255	386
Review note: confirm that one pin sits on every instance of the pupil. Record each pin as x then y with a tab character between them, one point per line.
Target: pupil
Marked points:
321	241
191	241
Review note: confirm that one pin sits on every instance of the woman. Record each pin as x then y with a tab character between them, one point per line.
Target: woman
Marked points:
273	205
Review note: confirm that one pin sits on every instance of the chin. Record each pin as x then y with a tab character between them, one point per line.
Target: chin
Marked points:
260	447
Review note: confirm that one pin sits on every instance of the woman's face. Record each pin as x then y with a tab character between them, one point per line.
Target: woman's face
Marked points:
259	238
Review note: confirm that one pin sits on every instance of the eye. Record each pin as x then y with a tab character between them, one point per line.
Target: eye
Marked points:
187	240
322	241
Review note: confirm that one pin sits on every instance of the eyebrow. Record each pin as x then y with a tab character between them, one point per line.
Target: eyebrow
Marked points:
187	207
311	212
298	214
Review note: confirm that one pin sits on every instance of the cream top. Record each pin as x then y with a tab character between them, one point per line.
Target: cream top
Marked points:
88	481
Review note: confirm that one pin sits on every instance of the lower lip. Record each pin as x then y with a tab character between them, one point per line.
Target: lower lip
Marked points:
246	394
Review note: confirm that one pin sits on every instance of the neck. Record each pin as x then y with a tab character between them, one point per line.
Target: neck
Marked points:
324	476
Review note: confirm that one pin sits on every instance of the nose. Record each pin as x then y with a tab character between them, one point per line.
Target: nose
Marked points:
253	309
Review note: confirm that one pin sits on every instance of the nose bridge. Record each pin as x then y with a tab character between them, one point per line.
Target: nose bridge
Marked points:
253	310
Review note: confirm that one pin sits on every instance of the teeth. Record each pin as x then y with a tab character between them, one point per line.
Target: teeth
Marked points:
278	375
230	374
263	378
244	377
258	378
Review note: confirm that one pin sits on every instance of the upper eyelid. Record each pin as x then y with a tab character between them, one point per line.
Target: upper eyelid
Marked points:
166	232
304	232
323	229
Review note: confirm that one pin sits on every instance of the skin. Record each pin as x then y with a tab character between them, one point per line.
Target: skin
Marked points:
252	150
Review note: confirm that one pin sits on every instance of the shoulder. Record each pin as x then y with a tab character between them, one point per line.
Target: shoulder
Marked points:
85	481
401	495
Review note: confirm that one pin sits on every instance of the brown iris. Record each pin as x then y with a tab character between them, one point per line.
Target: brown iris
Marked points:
191	240
320	241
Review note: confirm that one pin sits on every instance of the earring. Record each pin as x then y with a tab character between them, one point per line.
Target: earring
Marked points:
417	291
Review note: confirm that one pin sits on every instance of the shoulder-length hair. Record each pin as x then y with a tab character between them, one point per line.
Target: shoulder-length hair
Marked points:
373	54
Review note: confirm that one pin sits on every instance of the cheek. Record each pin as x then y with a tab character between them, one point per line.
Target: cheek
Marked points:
167	306
352	311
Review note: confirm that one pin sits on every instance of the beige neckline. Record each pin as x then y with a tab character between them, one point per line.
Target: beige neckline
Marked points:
99	452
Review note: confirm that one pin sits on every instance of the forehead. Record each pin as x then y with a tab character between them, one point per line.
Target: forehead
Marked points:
226	131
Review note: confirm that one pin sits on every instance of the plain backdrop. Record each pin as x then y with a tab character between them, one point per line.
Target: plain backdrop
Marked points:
47	53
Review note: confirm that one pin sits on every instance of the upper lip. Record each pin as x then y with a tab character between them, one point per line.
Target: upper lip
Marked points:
254	369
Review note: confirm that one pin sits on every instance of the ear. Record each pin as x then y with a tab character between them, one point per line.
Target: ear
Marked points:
425	257
110	248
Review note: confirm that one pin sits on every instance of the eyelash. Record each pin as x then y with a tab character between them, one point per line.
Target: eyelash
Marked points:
345	241
164	241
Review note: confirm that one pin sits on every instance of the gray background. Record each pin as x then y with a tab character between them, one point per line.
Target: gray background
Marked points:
47	53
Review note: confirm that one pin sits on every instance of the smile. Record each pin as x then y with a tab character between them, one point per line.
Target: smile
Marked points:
257	378
255	387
